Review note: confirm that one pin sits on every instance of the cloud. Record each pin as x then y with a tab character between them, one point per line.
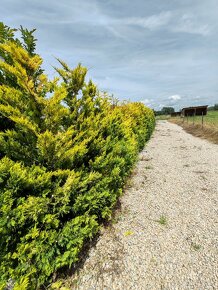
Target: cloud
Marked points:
135	50
169	20
175	98
152	22
188	23
172	21
146	101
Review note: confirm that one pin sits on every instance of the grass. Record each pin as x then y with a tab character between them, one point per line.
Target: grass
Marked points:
195	247
128	233
162	221
163	117
116	219
210	119
208	131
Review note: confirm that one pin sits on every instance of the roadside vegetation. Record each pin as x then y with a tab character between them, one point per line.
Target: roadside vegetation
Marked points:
211	119
66	150
193	125
163	117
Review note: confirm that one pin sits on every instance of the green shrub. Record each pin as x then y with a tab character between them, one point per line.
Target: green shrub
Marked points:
65	152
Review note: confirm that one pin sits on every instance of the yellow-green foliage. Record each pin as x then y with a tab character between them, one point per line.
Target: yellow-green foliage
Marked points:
65	152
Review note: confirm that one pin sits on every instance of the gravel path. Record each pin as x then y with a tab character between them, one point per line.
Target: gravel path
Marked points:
165	235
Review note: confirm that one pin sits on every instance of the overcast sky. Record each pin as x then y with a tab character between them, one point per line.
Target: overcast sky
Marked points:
161	52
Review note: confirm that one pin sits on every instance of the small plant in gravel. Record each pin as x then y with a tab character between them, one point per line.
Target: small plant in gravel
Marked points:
129	183
162	220
195	246
148	167
128	233
116	219
186	165
144	158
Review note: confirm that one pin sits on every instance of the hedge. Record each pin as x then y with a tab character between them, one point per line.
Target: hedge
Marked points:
65	152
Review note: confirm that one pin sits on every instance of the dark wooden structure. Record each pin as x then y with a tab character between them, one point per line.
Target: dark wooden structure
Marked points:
194	111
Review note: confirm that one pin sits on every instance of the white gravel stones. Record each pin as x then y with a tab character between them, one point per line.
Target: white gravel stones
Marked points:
176	178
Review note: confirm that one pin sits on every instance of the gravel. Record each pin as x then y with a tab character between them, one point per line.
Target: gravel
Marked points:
165	235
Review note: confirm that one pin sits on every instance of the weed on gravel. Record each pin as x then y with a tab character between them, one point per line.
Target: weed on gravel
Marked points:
162	220
148	167
195	246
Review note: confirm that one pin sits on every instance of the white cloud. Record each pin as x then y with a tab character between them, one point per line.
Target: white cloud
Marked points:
152	22
175	97
189	24
146	101
171	21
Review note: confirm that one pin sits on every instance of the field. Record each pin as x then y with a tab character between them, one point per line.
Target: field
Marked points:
211	119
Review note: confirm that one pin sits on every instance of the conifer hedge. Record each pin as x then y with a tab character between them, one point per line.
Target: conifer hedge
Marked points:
65	152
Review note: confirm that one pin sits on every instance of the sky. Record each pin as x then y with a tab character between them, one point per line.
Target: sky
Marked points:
159	52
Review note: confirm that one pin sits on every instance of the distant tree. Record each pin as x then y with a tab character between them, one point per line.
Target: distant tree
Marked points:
215	107
211	108
167	110
158	113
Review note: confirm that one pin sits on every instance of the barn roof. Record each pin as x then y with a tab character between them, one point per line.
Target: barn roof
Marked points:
196	107
192	111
